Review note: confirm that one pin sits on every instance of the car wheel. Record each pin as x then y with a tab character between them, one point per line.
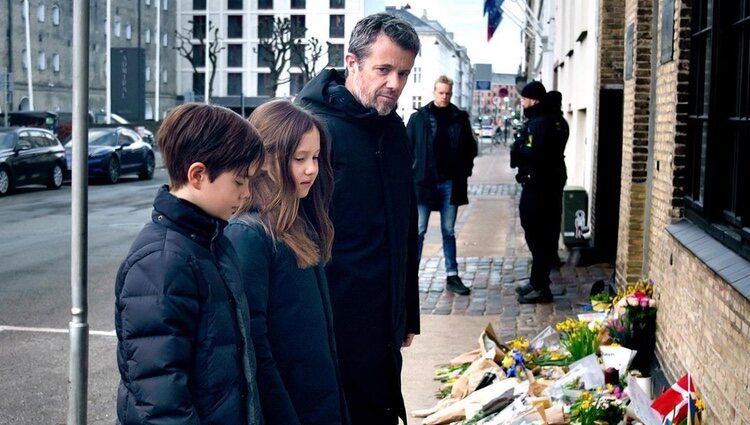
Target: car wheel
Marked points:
56	178
147	172
4	181
113	170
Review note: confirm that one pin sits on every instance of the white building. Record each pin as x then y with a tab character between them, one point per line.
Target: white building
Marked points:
239	71
440	55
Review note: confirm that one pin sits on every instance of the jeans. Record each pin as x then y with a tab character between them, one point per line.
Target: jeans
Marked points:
447	226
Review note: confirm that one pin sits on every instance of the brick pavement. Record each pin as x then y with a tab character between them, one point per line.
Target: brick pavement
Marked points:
493	260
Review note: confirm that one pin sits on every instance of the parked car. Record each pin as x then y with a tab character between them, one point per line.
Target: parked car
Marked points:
114	151
30	156
146	134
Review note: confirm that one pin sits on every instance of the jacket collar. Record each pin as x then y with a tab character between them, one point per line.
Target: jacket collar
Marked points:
185	217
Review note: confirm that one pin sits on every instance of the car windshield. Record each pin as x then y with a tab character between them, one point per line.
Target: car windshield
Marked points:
102	138
6	140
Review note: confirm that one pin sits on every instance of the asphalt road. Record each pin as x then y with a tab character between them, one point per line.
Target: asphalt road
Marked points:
35	295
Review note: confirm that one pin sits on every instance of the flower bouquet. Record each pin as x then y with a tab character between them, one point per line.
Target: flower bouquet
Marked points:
601	301
593	408
579	338
634	324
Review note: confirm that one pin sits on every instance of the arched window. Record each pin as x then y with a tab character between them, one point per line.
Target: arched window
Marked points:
56	62
164	75
23	59
117	26
148	73
164	39
40	13
42	60
128	32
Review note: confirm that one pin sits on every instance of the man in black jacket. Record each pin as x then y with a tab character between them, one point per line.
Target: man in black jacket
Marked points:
444	150
372	276
538	153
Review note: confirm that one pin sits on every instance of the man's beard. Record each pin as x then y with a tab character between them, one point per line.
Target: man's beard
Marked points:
361	96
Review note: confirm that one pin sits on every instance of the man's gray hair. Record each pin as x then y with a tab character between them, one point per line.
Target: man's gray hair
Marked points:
370	27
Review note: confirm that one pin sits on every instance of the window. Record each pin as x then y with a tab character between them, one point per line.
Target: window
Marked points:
298	4
417	72
234	26
265	26
296	82
199	27
265	55
264	85
148	73
164	39
717	196
298	26
147	36
165	5
234	55
234	4
234	84
40	13
117	26
42	61
128	32
265	4
55	15
164	75
335	55
148	3
56	62
199	55
416	102
199	83
199	4
337	4
23	59
336	26
297	54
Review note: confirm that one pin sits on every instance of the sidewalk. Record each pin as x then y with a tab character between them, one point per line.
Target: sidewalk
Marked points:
493	260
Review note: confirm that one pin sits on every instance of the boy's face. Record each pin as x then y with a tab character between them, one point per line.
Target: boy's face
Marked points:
223	197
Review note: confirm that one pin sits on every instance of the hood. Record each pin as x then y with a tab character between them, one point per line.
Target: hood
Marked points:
327	94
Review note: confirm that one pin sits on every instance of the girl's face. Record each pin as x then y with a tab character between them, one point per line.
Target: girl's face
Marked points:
304	162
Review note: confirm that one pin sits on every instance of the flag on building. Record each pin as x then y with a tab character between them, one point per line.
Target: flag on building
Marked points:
494	15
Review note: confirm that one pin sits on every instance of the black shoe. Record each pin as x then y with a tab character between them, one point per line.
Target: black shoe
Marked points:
454	284
536	297
524	289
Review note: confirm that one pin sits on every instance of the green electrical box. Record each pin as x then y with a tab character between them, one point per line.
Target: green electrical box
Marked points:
575	219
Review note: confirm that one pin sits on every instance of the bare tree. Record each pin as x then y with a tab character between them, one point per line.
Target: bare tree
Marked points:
307	57
196	57
274	43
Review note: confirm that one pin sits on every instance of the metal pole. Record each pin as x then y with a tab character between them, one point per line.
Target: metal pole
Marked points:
207	47
6	93
157	94
108	67
79	328
29	83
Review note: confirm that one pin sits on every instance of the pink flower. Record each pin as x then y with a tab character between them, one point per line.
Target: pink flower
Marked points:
632	301
644	302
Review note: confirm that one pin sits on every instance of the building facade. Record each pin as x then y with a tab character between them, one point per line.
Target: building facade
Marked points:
671	112
240	69
51	55
439	55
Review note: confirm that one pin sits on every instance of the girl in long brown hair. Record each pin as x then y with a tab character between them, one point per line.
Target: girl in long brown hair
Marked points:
283	237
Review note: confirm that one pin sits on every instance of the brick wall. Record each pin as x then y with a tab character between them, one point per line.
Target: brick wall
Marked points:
635	145
703	324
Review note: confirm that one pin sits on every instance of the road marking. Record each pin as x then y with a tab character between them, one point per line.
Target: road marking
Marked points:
51	330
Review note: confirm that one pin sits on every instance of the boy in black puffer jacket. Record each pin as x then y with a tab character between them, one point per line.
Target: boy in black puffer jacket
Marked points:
183	329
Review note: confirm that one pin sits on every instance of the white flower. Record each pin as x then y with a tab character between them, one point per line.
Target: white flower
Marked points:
652	303
632	301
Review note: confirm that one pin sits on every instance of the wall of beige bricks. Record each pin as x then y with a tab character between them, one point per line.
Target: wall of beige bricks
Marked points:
703	324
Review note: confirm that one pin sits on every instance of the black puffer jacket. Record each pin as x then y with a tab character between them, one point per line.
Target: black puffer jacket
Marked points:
183	326
372	275
298	375
539	150
422	129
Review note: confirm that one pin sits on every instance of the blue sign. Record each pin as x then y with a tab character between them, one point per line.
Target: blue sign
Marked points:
483	85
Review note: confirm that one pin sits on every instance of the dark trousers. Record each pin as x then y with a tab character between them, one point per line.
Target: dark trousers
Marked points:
541	211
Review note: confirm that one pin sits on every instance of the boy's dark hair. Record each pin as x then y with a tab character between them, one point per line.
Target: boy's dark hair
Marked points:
367	30
213	135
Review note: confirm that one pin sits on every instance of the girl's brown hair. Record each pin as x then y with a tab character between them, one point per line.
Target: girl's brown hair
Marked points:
302	224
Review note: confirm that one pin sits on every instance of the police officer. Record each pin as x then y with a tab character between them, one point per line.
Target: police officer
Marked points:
538	153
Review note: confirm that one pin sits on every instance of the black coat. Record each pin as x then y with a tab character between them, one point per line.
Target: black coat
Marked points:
421	130
539	150
373	272
183	346
292	330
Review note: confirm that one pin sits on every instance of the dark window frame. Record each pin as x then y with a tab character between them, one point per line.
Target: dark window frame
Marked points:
265	26
337	4
339	58
235	5
232	30
336	29
234	59
717	191
234	84
298	26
